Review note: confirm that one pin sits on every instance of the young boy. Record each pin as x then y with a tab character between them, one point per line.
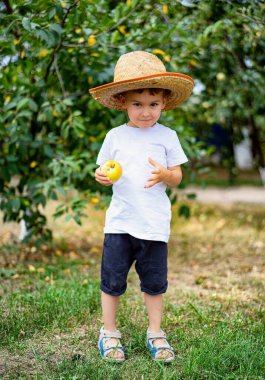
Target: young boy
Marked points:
137	222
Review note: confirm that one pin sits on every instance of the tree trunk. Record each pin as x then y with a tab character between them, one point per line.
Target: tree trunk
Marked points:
256	143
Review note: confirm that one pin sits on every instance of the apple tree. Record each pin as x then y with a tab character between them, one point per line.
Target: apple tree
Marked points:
52	52
227	44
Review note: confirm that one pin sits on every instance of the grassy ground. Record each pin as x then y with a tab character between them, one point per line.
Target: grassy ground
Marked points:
219	176
50	302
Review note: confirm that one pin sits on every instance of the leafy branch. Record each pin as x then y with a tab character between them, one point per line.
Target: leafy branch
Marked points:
58	47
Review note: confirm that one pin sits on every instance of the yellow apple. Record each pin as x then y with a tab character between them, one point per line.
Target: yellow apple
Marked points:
220	76
112	169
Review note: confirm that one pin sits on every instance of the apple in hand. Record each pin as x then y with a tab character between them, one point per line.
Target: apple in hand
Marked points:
112	169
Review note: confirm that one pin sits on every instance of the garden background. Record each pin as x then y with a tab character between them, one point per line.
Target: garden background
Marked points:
51	130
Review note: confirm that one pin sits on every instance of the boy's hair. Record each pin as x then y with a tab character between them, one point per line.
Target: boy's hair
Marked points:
152	91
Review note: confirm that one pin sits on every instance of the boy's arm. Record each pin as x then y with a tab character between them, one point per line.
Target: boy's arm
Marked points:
174	176
171	176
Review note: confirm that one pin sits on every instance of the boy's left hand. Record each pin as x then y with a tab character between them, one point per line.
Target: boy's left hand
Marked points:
160	174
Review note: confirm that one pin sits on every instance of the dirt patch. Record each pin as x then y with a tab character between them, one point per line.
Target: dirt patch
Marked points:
219	254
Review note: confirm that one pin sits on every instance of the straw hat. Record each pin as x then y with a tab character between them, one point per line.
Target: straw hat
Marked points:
139	70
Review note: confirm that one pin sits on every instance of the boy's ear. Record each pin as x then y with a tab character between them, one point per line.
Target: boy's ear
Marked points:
164	103
122	100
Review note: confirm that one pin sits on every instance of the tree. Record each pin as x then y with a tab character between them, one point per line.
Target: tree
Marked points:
228	58
52	52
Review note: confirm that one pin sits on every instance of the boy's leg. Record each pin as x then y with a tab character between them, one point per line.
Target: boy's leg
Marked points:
116	262
109	310
154	305
151	265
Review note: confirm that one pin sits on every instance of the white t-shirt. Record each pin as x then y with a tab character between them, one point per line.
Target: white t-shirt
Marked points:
142	213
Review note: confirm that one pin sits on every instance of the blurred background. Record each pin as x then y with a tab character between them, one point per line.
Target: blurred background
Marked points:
51	129
51	53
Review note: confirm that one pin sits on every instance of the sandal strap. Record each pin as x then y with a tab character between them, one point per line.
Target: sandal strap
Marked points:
160	348
164	346
116	345
106	335
110	334
106	351
111	349
154	335
155	350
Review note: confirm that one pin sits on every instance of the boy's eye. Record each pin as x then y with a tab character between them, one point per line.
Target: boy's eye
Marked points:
137	104
154	104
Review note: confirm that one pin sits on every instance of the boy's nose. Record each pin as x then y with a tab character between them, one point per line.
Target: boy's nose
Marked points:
145	111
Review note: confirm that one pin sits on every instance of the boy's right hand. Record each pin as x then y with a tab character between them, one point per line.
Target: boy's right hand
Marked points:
102	178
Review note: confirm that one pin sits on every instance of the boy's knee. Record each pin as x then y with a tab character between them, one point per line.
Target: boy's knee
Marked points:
113	284
153	279
154	288
112	291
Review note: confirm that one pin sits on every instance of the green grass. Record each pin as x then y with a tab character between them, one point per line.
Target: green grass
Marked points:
47	307
50	312
219	177
41	323
225	183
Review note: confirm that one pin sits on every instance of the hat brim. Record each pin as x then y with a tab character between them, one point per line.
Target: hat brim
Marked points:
180	85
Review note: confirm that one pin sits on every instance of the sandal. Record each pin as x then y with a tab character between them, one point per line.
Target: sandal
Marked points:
155	350
104	336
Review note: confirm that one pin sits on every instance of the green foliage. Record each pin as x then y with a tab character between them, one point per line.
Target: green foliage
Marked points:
52	52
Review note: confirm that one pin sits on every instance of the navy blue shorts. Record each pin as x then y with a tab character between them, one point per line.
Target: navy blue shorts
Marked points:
119	253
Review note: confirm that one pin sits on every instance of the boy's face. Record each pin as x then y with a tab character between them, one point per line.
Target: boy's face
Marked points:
143	108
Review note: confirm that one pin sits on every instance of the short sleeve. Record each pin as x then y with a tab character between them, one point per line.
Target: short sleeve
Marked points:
175	153
104	153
